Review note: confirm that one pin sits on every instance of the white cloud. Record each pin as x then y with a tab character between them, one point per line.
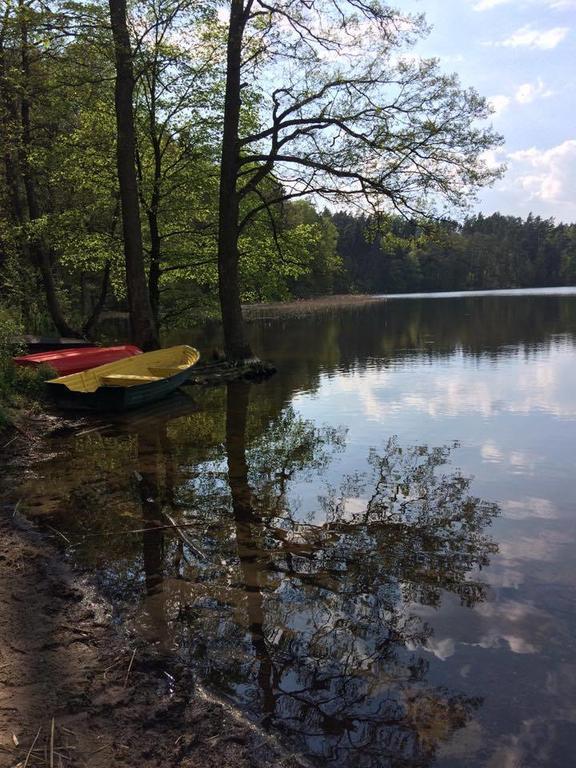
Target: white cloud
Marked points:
499	103
555	5
528	37
538	180
525	93
547	175
529	92
493	158
487	5
451	58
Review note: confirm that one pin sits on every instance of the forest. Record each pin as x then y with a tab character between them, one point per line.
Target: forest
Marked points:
149	166
170	160
478	253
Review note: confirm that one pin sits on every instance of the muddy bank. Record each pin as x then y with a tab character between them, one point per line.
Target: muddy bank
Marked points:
76	690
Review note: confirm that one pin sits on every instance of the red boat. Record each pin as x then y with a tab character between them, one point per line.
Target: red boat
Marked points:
66	361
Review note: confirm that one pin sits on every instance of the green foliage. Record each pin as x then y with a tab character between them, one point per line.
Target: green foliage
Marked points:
324	262
10	337
19	386
288	249
272	262
395	256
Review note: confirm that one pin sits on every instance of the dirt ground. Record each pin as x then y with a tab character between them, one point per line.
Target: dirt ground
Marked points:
76	690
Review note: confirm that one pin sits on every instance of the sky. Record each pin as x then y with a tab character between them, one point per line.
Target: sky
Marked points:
521	54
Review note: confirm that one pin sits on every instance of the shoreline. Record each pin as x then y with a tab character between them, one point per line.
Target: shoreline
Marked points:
76	686
308	306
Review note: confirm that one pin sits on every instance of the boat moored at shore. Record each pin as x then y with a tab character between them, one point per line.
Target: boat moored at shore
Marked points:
127	383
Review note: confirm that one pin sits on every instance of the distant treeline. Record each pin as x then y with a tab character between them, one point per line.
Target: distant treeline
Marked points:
483	252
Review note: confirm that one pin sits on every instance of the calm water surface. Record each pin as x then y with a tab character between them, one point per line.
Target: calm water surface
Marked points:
378	562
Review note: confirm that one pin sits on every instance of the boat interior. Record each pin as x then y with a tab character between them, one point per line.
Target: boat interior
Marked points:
131	371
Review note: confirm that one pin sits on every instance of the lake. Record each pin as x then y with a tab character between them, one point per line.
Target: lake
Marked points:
373	553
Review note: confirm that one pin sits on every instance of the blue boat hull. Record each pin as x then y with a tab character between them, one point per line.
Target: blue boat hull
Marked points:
117	399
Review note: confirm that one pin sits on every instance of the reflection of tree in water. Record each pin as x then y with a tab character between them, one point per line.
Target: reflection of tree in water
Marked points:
320	631
155	485
422	526
307	620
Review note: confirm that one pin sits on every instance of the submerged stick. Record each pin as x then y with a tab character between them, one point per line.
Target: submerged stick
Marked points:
184	537
59	533
129	668
9	442
100	749
52	744
140	530
31	748
114	664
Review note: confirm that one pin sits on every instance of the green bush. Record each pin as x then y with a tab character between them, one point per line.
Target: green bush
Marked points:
29	382
10	337
19	387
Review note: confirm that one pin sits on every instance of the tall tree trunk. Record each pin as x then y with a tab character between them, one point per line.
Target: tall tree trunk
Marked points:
38	248
235	342
155	240
8	132
154	276
141	321
153	208
90	324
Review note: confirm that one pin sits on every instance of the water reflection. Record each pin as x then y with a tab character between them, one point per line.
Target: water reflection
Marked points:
154	460
328	604
331	579
380	333
305	617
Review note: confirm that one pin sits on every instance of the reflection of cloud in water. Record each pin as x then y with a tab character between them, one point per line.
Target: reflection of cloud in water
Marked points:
513	622
491	453
510	610
543	547
515	643
521	461
464	743
442	649
514	386
519	627
532	507
505	578
354	506
541	741
445	648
